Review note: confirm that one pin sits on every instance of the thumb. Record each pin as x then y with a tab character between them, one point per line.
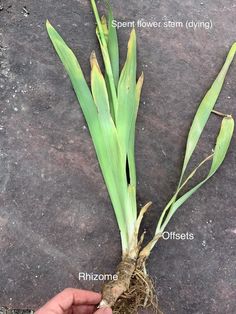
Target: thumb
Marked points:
105	310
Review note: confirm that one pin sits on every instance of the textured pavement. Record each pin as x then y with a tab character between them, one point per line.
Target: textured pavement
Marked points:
55	215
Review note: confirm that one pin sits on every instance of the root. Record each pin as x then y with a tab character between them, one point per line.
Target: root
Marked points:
141	294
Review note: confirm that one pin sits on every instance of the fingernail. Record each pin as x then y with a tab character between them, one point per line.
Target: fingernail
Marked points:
107	311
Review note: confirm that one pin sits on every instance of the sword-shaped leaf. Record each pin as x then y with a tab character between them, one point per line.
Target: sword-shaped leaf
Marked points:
110	137
201	117
113	47
131	149
103	41
197	127
221	148
105	145
76	76
127	96
205	109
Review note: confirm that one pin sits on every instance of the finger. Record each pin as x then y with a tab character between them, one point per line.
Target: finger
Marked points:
105	310
59	304
63	301
84	309
83	297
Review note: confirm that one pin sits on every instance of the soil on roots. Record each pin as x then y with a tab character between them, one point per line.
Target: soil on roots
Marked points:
140	295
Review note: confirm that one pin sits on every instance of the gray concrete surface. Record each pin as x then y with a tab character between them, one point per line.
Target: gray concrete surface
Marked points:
55	216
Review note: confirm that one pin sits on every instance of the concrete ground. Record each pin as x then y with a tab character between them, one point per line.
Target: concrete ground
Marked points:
55	215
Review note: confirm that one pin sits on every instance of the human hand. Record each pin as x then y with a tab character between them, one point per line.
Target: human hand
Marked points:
74	301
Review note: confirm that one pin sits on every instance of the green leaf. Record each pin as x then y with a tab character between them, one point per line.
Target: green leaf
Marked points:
205	109
113	52
99	89
110	137
131	145
107	62
201	117
77	78
127	97
105	145
131	151
221	148
198	125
